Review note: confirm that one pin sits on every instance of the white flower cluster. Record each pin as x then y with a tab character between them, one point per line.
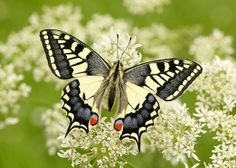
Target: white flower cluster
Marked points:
216	95
161	42
205	48
12	89
216	101
144	6
216	86
25	47
101	147
155	40
107	46
103	29
175	133
100	24
224	155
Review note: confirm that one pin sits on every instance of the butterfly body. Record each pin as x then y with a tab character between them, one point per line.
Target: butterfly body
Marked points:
114	79
135	88
111	86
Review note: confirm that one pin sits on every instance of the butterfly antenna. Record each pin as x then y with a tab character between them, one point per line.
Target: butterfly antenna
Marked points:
117	45
126	48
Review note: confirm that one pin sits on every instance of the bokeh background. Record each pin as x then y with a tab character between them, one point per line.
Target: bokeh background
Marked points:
23	145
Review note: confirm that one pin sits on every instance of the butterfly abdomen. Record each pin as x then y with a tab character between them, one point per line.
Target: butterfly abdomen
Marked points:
111	97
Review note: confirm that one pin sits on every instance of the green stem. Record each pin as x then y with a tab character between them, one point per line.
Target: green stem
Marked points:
128	163
191	162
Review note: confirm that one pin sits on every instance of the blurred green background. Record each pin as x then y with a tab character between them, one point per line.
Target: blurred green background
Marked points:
23	145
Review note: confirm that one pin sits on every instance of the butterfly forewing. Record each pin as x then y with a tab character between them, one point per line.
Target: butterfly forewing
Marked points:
68	57
167	78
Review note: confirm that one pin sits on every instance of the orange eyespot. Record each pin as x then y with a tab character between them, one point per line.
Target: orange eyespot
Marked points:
118	125
93	119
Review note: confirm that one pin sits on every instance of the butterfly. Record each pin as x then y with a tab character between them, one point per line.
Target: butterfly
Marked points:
94	79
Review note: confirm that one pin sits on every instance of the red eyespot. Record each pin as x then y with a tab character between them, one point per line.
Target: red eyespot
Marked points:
118	125
94	119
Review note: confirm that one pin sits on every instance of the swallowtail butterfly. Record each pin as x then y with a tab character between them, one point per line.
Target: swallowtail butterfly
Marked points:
93	78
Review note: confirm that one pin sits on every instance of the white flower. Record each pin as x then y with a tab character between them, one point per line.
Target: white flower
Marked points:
205	48
144	6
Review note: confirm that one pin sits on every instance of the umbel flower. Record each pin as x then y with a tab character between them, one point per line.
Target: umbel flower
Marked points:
141	6
207	47
99	24
162	42
103	31
127	50
216	98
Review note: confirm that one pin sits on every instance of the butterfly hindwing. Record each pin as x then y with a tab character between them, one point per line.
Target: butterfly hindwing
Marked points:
167	78
140	113
68	57
78	101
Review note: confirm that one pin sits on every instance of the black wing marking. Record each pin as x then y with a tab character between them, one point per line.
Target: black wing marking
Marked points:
167	78
68	57
79	111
